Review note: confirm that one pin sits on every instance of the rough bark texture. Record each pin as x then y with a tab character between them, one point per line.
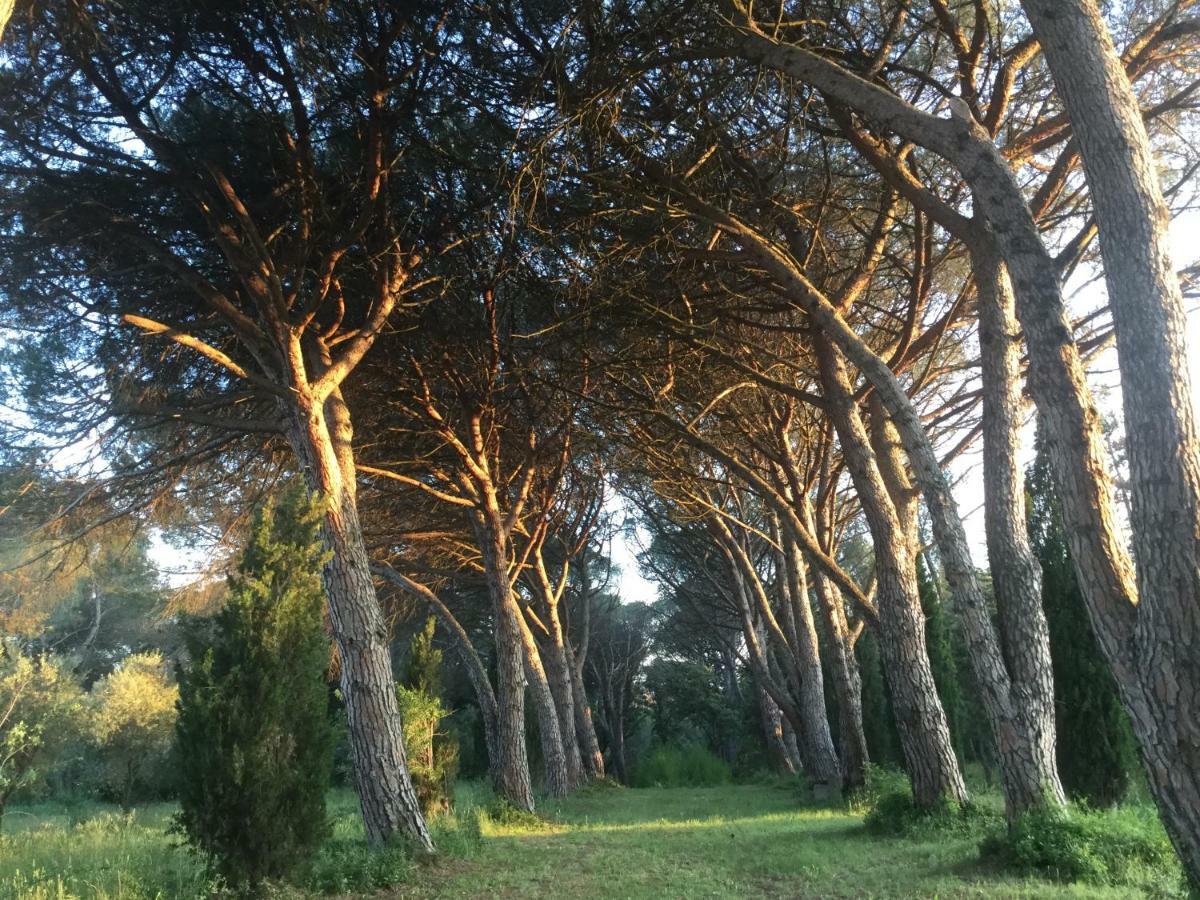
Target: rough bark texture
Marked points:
843	666
554	656
585	728
772	724
554	758
920	719
820	759
1016	574
1164	449
321	440
513	782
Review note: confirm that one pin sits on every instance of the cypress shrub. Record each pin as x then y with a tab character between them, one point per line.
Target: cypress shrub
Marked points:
254	737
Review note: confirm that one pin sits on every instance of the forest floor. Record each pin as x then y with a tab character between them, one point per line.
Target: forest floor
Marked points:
605	842
736	841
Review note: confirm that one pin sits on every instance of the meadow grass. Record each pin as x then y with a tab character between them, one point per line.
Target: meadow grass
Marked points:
730	841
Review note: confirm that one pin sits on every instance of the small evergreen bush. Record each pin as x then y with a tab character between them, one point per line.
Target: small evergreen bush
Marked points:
688	766
254	738
432	750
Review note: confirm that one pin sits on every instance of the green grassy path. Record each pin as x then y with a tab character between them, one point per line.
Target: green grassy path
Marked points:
715	842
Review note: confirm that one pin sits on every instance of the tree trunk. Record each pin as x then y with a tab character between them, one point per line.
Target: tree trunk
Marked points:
514	783
847	682
554	757
1016	574
772	723
585	728
1160	426
321	440
920	720
795	694
554	655
821	763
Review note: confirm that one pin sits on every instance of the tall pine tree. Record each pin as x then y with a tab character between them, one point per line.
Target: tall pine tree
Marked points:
1095	744
254	735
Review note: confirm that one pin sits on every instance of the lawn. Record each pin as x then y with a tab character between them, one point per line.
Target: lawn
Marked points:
734	841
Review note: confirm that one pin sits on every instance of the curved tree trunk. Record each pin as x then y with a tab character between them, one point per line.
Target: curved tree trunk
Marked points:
821	761
513	784
1016	574
554	656
920	720
554	757
799	694
847	681
321	440
1164	447
772	723
585	728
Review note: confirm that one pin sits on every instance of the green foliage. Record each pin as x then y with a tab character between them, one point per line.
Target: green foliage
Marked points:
1095	746
57	853
41	710
689	766
1111	847
132	725
879	721
432	750
687	702
352	867
432	753
502	813
894	814
254	736
939	640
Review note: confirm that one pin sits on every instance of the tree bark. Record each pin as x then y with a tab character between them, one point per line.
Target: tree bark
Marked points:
772	723
847	681
1164	447
920	719
1016	574
554	758
821	761
585	727
321	439
554	655
514	783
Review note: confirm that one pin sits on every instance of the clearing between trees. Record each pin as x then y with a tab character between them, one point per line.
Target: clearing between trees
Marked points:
605	841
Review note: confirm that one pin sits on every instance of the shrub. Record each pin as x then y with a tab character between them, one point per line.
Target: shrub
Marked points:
254	735
894	814
432	751
132	724
350	866
1109	848
41	710
689	766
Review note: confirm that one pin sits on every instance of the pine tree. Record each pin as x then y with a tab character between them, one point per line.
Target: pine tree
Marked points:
1095	744
254	735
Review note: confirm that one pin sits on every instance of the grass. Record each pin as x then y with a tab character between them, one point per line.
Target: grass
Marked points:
728	841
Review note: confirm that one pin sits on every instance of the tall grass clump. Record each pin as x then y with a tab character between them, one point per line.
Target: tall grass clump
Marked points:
688	766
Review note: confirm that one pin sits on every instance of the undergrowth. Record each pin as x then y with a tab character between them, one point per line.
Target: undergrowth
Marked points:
1123	846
